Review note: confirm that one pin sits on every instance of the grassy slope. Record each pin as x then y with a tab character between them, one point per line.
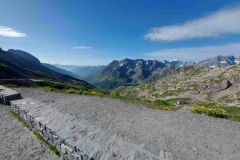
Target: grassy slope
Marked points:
131	94
50	82
28	69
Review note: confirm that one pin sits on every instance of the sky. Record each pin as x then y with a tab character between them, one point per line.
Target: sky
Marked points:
96	32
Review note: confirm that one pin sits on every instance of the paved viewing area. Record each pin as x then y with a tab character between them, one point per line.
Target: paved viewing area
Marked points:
188	135
90	127
78	138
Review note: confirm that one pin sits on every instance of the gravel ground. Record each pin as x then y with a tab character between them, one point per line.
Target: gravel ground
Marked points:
18	143
188	135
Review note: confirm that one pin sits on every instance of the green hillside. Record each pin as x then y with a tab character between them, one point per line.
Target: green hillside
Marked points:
18	71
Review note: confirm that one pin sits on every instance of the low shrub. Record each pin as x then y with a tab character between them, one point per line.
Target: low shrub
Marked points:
10	85
71	91
234	117
167	108
214	110
160	103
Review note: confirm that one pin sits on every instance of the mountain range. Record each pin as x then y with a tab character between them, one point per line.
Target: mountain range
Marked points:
219	61
126	72
203	85
214	62
15	64
129	72
176	63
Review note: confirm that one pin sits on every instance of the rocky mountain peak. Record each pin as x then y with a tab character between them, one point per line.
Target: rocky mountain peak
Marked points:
128	72
218	61
237	60
231	57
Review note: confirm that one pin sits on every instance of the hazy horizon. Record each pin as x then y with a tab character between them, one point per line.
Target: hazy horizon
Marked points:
168	59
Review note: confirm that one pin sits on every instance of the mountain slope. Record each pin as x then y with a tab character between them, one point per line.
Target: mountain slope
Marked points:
220	85
13	66
25	55
218	61
85	71
7	56
128	72
176	63
59	70
237	60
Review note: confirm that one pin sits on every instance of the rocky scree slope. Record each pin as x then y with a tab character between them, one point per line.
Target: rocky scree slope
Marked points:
221	85
129	72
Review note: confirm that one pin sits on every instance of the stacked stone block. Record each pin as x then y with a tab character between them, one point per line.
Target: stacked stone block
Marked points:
79	139
7	95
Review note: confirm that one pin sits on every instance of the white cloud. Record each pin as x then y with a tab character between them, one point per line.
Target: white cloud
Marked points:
197	53
9	32
81	47
226	21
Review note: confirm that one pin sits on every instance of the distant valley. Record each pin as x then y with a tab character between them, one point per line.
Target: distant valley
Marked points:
62	71
81	71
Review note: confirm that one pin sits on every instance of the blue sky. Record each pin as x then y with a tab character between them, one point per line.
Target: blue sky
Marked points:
89	32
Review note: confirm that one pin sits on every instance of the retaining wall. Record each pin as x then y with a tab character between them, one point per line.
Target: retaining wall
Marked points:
7	95
79	139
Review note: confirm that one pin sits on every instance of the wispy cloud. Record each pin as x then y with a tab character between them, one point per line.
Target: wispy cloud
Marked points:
225	21
81	47
9	32
197	53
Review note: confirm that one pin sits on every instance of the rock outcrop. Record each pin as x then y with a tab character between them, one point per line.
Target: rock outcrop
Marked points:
190	82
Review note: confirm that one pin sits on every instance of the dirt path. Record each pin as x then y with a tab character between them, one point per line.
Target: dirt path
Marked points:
18	143
188	135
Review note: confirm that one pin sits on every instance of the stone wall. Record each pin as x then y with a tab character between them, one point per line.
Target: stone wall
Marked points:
79	139
7	95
